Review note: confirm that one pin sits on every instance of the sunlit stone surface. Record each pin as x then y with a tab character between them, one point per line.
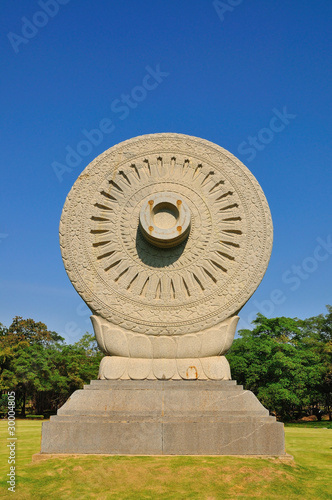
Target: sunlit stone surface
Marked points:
165	237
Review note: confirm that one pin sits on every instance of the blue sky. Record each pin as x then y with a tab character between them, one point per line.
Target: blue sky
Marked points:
224	76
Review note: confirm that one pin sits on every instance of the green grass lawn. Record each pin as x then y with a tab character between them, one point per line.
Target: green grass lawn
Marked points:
309	476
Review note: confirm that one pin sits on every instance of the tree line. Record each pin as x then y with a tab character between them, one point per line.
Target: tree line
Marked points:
286	362
41	368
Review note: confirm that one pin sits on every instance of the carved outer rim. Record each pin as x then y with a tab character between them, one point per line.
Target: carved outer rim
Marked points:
72	222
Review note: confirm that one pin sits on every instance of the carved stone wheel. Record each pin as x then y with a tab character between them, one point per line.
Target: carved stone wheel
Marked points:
166	234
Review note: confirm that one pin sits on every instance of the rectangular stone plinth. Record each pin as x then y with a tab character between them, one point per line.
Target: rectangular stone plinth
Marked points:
163	418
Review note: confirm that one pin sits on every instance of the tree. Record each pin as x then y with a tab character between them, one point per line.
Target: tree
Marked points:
321	328
30	331
23	348
41	368
278	360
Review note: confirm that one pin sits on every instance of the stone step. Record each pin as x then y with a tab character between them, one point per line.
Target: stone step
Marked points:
163	417
215	385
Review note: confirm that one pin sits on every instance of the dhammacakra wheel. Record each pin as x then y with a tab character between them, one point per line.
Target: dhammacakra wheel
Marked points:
166	234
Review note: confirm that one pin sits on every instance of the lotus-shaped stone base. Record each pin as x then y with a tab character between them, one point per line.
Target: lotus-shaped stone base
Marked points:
137	356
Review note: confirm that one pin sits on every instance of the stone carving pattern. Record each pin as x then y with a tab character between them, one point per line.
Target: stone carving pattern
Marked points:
185	289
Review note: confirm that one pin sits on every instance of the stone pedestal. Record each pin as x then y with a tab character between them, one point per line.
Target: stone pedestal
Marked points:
143	417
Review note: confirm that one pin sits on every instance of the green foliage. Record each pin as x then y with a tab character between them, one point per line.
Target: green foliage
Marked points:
286	362
41	369
321	327
3	404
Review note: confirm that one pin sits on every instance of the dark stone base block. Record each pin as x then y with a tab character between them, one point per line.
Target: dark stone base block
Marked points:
163	418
